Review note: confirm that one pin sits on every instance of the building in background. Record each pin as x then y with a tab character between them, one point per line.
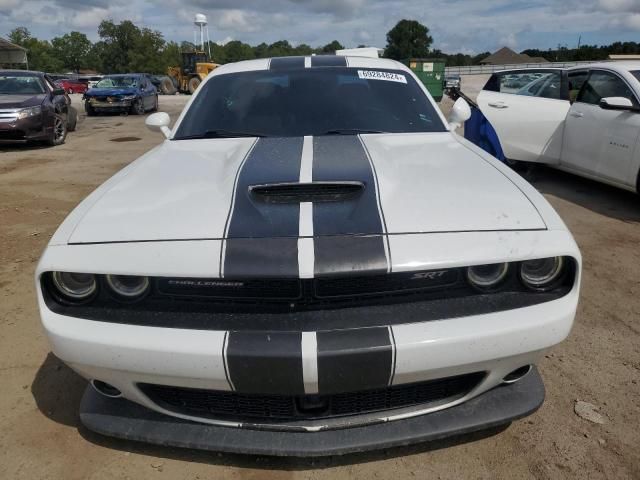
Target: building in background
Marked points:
506	56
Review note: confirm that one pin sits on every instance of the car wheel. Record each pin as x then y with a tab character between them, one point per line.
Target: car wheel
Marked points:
193	84
167	87
89	109
59	132
138	107
72	119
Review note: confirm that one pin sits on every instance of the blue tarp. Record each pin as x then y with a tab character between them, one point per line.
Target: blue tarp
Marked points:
478	130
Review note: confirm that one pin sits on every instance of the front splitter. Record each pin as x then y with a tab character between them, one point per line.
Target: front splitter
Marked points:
124	419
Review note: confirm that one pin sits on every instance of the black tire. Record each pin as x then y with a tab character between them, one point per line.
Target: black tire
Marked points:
194	82
137	108
59	132
72	119
89	109
167	87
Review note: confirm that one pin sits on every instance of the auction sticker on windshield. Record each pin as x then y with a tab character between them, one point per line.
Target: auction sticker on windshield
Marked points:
376	75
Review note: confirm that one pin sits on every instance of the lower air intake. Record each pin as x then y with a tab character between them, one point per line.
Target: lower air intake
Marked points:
239	407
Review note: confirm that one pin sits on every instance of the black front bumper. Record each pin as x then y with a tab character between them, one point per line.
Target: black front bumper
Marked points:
124	419
24	129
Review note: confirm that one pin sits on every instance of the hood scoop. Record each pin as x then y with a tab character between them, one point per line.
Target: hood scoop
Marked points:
306	192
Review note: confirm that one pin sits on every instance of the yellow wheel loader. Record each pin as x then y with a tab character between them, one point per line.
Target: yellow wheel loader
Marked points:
186	78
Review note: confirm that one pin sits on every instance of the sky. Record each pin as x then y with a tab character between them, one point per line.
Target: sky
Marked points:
467	26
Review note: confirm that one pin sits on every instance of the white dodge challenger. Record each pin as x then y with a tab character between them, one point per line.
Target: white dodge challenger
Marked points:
312	263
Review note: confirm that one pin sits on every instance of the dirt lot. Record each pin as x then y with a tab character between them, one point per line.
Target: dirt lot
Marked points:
41	437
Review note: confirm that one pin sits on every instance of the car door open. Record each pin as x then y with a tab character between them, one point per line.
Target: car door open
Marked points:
527	109
598	140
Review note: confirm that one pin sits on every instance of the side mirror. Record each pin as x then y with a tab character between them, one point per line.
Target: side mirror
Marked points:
159	122
460	113
616	103
57	91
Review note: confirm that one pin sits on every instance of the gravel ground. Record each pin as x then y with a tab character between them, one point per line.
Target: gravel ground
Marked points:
40	433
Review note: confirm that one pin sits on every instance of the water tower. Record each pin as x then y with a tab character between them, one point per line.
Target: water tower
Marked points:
200	22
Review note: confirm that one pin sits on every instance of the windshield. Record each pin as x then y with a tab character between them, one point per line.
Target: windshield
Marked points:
20	85
118	82
318	101
636	73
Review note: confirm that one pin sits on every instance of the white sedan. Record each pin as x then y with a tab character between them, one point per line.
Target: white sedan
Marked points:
584	120
313	262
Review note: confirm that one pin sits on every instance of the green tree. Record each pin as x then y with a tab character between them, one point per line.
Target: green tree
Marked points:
72	49
236	51
117	43
19	36
408	39
40	53
331	47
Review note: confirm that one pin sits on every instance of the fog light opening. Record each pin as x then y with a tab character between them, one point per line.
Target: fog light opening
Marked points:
105	389
517	374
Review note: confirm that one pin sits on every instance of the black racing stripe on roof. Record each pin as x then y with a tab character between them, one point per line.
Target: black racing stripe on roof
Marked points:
286	63
328	61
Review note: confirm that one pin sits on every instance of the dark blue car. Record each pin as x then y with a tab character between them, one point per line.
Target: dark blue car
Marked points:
130	92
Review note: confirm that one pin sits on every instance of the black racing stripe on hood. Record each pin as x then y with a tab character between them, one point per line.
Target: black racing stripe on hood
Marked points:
353	360
286	63
328	61
261	236
348	235
267	363
261	258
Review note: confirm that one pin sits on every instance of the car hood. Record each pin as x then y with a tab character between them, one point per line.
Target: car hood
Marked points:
200	189
21	101
106	92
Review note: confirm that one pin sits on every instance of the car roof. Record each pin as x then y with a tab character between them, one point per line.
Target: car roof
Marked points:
352	61
618	66
24	72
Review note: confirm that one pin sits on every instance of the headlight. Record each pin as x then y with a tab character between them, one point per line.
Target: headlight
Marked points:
75	286
487	276
128	286
541	273
30	112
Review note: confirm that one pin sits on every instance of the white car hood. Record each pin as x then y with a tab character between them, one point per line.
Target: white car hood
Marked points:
189	189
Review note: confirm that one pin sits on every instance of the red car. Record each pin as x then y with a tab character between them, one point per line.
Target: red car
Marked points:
72	86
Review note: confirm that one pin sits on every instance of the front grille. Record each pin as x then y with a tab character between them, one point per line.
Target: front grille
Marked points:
308	293
231	406
277	289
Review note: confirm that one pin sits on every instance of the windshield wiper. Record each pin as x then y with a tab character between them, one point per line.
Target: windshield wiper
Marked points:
220	134
351	131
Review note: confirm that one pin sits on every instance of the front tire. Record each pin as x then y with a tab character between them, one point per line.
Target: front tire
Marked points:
193	84
59	132
138	107
89	109
72	119
167	86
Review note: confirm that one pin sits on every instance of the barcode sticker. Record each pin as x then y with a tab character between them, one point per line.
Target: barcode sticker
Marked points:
387	76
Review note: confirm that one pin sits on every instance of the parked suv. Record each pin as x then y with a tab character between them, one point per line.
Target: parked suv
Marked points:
32	109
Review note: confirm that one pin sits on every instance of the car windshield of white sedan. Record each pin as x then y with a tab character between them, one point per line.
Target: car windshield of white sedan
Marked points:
299	102
20	85
117	82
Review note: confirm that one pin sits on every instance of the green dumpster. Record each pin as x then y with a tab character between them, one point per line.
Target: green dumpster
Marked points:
431	72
